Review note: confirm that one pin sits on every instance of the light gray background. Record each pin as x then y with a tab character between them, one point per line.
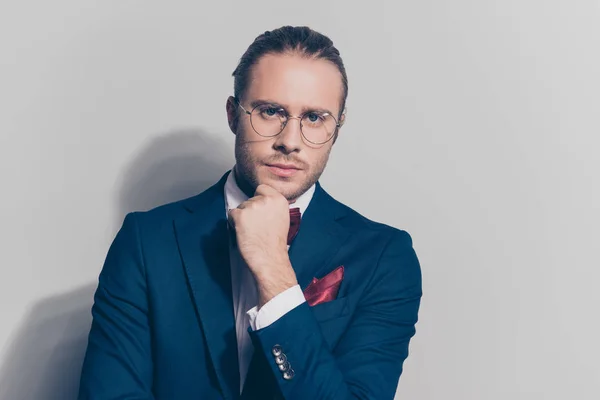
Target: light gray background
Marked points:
473	125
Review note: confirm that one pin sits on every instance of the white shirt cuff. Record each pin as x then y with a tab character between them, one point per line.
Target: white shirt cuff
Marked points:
275	308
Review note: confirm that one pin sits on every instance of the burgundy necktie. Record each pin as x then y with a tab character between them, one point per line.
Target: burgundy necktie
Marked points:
294	224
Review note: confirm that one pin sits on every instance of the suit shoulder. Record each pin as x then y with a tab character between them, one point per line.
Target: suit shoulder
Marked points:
358	221
166	211
162	216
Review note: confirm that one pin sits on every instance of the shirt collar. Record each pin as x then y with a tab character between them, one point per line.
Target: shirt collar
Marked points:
234	196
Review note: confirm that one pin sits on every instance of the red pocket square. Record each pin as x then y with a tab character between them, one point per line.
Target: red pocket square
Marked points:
324	289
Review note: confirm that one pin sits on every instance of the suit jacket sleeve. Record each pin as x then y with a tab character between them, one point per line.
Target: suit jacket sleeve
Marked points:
118	362
367	361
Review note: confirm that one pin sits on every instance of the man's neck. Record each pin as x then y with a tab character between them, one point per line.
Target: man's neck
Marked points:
243	184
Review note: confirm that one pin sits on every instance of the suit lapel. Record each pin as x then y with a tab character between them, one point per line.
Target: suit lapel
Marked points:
203	243
319	238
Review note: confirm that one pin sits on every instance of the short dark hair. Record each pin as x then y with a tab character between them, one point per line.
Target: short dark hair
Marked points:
289	39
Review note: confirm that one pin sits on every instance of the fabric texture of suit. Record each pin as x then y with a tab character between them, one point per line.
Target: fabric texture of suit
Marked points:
163	324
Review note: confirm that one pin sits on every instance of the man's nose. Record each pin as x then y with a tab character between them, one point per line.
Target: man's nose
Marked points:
291	135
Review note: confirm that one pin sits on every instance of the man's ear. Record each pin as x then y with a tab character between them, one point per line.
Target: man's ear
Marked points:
341	122
232	114
342	118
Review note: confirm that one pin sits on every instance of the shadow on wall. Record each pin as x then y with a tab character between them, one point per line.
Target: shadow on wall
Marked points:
172	167
44	360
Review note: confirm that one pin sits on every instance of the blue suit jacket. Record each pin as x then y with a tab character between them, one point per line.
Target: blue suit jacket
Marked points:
163	324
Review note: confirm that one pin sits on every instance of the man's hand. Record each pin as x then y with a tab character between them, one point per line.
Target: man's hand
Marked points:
261	224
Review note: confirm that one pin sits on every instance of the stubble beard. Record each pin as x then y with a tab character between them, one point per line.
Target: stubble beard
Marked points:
247	171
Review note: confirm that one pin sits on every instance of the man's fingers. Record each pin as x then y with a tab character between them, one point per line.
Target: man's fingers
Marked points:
261	189
265	190
246	203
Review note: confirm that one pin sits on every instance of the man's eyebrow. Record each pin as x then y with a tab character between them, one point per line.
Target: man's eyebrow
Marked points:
319	110
258	102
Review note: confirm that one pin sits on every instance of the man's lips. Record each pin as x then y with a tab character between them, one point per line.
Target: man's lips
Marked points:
283	166
283	170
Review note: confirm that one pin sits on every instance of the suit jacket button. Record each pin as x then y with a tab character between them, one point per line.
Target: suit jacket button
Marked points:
289	374
284	367
280	359
276	350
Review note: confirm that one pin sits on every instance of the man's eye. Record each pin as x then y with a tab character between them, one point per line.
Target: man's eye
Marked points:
267	111
313	117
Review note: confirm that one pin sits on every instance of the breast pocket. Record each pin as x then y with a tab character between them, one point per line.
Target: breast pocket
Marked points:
330	309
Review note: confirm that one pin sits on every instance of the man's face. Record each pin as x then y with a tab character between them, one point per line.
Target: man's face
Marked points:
297	84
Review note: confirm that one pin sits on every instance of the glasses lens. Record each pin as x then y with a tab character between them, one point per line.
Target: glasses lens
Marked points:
267	119
318	128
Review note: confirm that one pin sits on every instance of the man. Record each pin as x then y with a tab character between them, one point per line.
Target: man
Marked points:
263	286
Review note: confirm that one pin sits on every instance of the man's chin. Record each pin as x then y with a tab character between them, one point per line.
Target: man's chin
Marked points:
272	179
286	187
282	186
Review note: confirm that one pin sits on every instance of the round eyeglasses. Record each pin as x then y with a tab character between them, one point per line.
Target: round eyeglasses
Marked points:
268	120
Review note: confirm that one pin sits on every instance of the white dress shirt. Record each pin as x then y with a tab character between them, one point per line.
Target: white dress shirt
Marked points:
245	294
